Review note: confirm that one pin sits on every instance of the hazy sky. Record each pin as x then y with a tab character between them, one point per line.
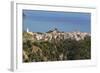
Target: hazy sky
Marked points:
42	21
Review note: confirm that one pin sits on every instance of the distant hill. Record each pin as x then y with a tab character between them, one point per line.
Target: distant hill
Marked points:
56	45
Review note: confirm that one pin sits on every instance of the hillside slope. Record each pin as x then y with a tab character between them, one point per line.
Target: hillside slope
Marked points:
55	45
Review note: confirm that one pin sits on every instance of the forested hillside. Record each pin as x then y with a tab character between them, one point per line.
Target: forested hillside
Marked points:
56	46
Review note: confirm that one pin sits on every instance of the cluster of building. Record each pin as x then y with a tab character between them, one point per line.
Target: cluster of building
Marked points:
55	34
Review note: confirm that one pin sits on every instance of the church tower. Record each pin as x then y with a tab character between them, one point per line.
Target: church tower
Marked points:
27	30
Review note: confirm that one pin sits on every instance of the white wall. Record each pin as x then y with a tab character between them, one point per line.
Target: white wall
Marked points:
5	35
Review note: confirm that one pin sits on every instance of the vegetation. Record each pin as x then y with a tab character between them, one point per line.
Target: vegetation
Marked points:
69	49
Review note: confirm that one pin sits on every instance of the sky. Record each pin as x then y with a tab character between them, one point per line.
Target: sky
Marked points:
43	21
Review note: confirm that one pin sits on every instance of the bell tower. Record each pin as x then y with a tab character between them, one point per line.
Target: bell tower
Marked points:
27	30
